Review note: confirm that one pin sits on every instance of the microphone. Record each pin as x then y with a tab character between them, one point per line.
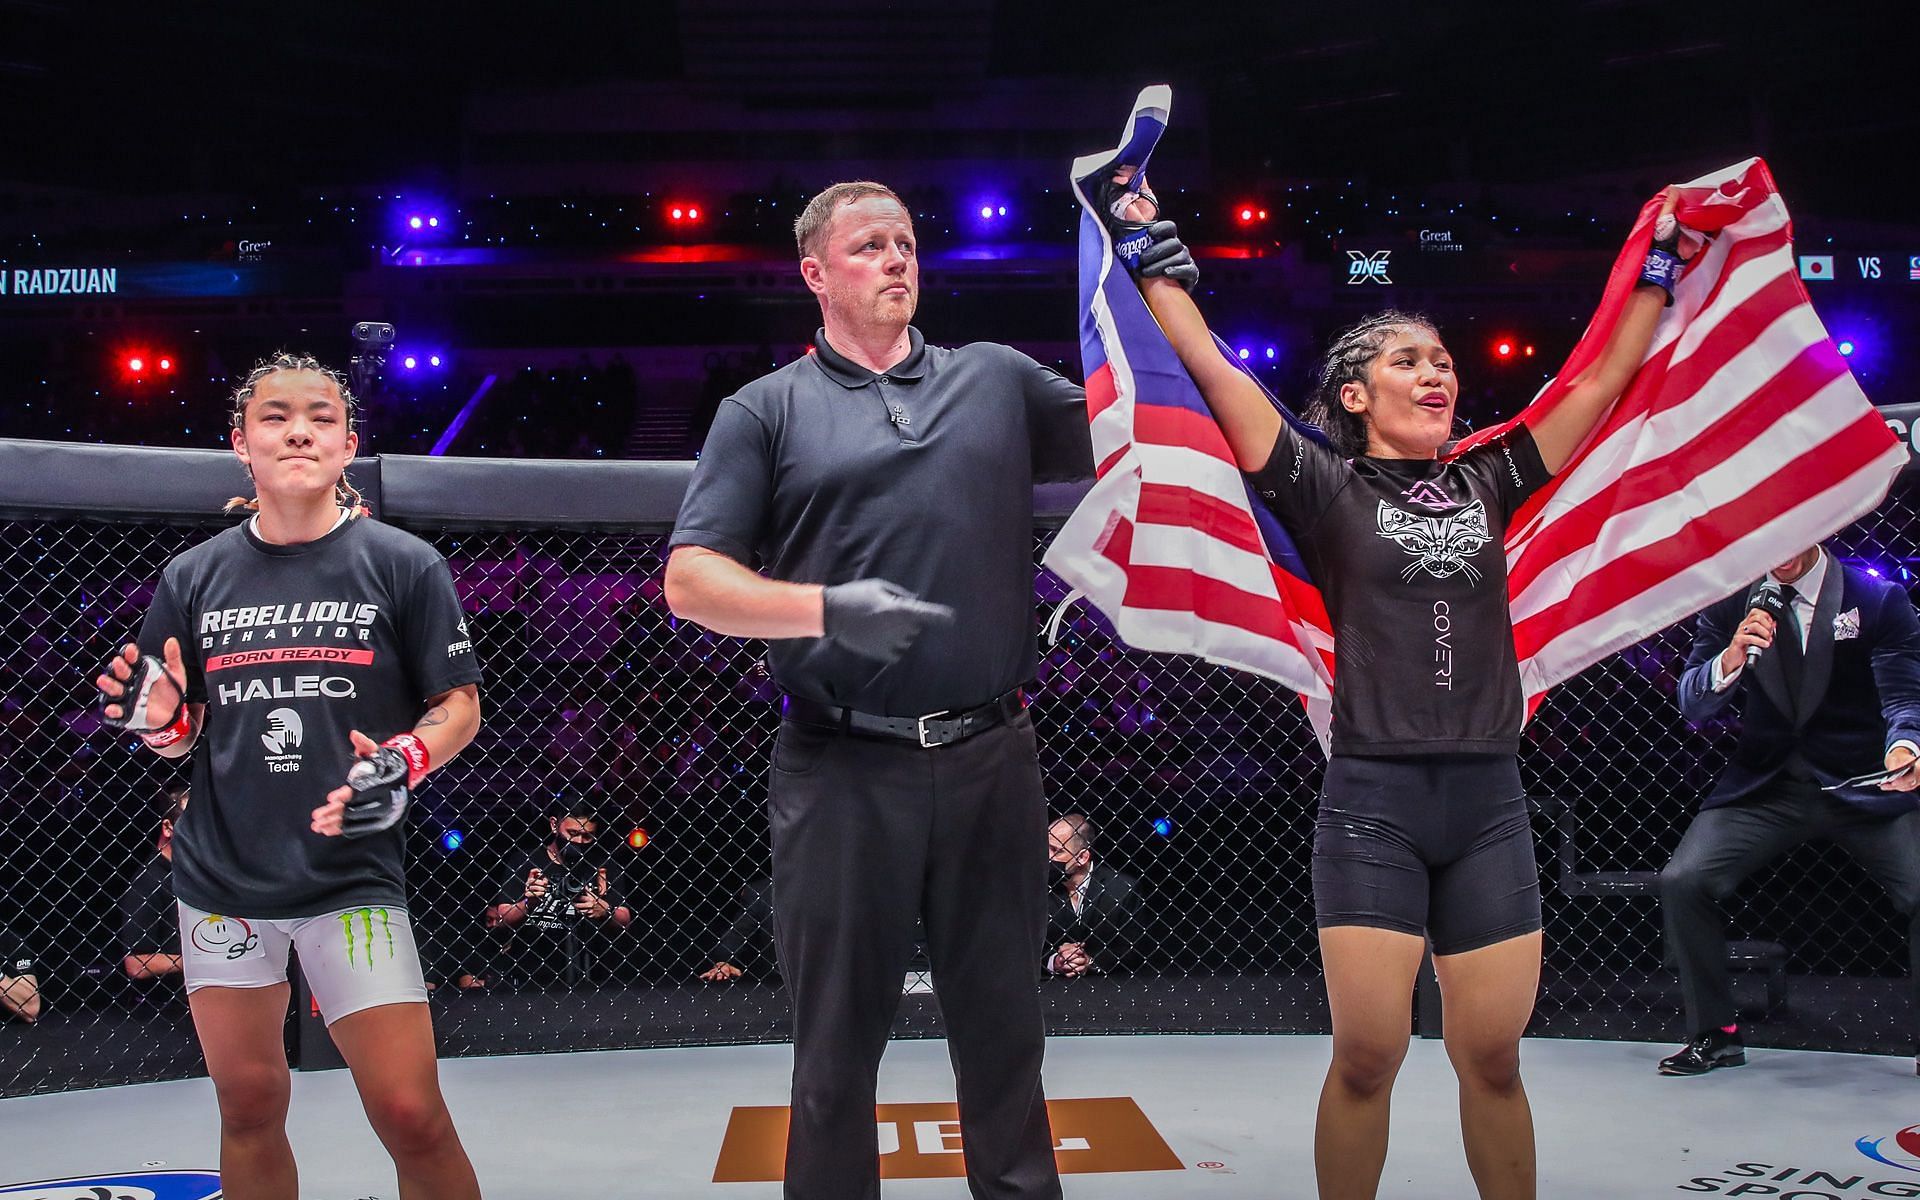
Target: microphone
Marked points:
1773	602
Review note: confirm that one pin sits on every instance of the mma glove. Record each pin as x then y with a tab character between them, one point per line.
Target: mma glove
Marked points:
1666	259
1149	249
383	784
137	704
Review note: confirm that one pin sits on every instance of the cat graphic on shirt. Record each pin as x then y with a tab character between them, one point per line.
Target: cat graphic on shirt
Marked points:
1442	545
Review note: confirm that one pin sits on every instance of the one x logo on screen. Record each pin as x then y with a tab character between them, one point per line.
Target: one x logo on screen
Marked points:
1363	266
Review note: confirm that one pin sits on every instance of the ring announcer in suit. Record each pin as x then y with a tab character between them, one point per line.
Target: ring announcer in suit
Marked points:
1834	693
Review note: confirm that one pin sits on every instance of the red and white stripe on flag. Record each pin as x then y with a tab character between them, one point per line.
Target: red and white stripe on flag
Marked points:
1742	440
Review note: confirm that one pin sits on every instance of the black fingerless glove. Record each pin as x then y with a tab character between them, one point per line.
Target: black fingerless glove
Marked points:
382	785
1148	249
1664	264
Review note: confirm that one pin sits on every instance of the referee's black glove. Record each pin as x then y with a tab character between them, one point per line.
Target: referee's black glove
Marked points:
877	619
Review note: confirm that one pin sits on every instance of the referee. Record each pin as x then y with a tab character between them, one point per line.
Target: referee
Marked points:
883	487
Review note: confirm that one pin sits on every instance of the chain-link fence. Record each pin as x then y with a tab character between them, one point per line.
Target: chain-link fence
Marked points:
648	740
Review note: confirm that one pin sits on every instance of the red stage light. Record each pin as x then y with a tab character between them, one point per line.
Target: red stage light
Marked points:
693	214
1503	348
136	364
166	364
638	839
677	213
1246	216
1528	351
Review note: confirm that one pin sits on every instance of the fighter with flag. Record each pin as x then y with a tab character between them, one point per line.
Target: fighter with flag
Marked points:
1702	418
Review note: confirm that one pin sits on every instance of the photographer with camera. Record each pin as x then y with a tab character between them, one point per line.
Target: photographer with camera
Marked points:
567	898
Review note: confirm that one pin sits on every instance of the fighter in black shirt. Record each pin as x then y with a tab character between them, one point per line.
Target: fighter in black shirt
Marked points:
276	653
1422	827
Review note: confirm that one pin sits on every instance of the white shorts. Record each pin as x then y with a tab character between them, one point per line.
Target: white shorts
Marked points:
353	959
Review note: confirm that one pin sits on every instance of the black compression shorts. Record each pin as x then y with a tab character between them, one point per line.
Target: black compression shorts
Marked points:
1437	845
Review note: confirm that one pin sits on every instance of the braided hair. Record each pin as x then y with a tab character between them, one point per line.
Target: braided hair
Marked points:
344	493
1350	360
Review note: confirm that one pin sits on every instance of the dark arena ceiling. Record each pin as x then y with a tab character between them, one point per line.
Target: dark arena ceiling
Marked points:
228	97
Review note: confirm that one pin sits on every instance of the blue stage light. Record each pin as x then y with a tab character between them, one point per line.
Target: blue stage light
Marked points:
433	360
1244	353
414	222
986	212
452	840
1163	826
1272	353
1846	348
409	362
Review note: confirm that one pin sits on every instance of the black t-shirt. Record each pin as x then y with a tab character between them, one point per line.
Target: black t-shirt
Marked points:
554	934
824	472
1409	555
290	648
149	922
552	913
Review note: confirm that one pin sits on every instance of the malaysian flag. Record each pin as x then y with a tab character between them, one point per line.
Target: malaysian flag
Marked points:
1741	440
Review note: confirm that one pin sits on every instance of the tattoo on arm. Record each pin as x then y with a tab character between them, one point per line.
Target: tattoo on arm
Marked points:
437	715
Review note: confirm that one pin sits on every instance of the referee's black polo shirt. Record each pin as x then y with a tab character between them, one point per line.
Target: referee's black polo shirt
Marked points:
823	472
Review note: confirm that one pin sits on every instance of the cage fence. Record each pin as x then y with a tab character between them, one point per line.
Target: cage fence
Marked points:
648	739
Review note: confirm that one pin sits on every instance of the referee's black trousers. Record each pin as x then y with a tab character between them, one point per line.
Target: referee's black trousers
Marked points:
1725	845
868	835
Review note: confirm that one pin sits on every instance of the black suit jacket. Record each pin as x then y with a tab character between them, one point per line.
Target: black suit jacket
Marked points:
1108	923
1859	692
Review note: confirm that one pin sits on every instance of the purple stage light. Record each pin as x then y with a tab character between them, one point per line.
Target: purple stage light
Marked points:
409	362
414	222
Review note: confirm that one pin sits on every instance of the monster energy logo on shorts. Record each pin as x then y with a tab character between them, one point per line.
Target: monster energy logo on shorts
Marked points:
366	917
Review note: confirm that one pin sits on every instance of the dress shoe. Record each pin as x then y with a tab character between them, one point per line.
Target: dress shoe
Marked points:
1714	1048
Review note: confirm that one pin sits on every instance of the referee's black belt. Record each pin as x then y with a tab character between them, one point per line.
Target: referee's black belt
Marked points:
934	729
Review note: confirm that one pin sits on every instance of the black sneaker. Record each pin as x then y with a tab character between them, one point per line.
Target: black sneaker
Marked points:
1711	1049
